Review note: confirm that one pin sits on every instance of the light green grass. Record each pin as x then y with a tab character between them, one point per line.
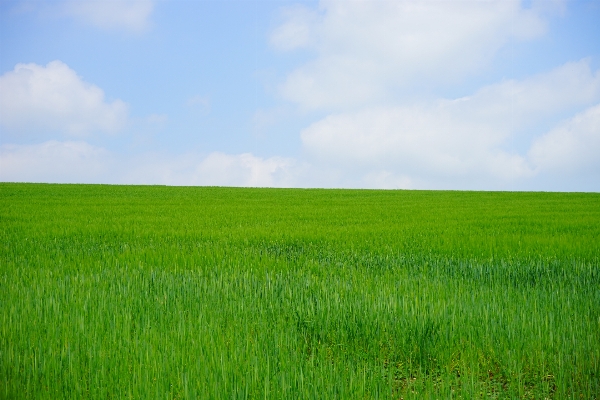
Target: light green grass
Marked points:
159	292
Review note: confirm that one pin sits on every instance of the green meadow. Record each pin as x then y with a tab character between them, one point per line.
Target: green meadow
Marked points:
151	292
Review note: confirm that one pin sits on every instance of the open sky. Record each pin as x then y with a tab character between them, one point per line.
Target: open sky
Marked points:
485	95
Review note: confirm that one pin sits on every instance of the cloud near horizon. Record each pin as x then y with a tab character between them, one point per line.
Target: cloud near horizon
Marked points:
81	162
466	137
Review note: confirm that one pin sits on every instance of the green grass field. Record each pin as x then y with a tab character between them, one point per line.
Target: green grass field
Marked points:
149	292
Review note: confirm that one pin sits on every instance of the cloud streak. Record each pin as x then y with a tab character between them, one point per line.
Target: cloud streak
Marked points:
131	16
128	15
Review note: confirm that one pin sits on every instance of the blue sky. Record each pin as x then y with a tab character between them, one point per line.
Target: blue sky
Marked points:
485	95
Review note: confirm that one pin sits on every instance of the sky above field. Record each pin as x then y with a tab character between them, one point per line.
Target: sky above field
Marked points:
486	95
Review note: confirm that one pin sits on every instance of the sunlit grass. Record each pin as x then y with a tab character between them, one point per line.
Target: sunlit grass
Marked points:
158	292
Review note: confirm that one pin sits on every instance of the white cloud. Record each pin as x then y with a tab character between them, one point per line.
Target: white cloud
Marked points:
216	169
80	162
37	100
157	119
377	61
297	29
199	103
57	162
246	168
419	142
573	147
369	49
384	179
377	65
513	103
129	15
462	139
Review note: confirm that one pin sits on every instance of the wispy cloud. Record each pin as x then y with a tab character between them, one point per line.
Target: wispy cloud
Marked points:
132	16
128	15
199	103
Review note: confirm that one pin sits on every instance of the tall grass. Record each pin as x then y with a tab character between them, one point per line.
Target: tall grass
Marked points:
158	292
